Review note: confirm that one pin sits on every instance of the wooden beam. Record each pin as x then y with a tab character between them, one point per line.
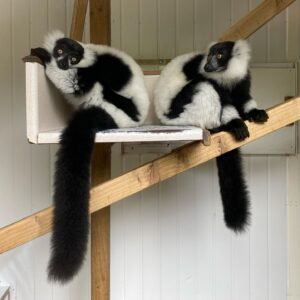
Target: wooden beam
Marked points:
255	19
100	228
100	22
100	33
180	160
78	19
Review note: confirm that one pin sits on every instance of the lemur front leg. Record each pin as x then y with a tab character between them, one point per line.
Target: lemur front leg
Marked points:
232	122
253	114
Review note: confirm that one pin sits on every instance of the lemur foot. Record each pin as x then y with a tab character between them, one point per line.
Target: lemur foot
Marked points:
238	128
257	115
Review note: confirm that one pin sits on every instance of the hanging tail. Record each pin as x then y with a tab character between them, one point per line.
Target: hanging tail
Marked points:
233	190
71	195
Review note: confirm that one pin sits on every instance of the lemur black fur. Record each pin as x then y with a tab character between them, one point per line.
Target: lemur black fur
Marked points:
107	89
212	90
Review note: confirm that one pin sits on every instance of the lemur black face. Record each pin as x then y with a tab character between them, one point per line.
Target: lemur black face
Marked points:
218	57
67	53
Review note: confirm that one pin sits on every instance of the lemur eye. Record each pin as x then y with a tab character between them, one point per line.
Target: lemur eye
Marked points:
60	51
219	55
73	59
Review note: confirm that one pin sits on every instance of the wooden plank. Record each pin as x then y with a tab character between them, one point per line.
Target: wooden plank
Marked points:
100	32
100	21
100	228
255	19
78	19
180	160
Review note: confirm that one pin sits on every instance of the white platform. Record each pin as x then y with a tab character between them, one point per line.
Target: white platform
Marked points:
48	112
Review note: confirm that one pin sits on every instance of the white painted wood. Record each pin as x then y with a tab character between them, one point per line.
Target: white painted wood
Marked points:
166	29
148	29
48	112
184	26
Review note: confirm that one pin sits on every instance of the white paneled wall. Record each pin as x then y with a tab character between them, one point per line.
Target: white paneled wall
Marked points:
170	241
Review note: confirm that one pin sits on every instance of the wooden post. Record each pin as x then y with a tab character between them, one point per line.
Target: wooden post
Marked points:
78	19
100	228
100	221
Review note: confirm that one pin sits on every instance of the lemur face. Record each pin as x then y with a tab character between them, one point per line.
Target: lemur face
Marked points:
67	53
218	57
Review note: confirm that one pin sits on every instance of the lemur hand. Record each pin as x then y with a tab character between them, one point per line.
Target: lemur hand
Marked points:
257	115
238	128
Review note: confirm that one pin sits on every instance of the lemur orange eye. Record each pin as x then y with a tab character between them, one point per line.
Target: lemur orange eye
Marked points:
219	56
60	51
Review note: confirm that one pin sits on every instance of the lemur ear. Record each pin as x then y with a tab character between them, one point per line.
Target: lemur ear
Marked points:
42	54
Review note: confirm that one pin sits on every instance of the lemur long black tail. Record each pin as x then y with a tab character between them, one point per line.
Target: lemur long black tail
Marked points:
233	189
71	195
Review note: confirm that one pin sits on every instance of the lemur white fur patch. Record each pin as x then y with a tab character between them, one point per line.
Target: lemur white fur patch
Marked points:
229	113
237	68
51	39
66	81
170	82
249	105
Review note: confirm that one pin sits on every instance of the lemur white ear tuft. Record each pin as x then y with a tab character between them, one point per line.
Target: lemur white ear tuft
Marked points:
51	38
241	48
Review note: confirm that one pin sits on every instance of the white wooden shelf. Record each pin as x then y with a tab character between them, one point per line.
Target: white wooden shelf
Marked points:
139	134
48	112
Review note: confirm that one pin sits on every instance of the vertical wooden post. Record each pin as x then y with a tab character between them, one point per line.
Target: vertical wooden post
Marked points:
100	221
100	228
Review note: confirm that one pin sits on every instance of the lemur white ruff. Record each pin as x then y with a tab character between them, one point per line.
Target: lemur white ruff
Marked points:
107	89
212	91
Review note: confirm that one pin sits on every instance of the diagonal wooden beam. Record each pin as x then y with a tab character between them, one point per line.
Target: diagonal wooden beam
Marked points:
78	19
180	160
255	19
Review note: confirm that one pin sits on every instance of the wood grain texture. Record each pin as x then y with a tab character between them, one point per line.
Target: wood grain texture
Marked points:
78	19
100	22
100	32
255	19
178	161
100	228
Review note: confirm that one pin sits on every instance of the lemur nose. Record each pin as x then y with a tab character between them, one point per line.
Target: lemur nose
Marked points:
62	64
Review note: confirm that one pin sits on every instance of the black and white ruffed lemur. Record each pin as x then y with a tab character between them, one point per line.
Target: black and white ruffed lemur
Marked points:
107	89
212	91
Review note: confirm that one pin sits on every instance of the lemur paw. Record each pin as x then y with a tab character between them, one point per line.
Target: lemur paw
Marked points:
238	128
257	115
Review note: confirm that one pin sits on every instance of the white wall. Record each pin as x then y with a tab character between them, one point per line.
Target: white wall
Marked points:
168	243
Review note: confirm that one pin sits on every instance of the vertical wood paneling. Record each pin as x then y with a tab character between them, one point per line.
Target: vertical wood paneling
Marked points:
222	247
6	125
293	32
116	23
221	16
150	239
184	26
169	239
133	247
259	40
277	228
277	38
117	241
130	27
166	28
240	255
187	235
148	29
205	219
203	24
